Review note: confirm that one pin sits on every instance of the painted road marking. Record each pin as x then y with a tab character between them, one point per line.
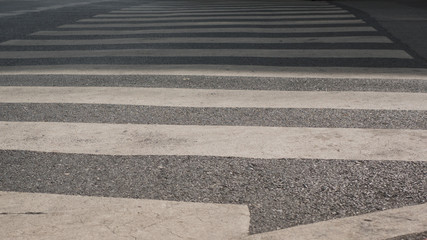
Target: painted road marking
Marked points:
236	13
181	97
262	53
216	23
230	141
52	216
113	41
145	19
205	30
213	10
221	70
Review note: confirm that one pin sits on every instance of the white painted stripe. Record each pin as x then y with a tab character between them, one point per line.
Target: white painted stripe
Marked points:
148	14
180	97
226	7
229	8
279	53
205	30
195	18
233	5
230	141
225	23
237	3
402	74
40	9
73	42
80	217
378	225
213	10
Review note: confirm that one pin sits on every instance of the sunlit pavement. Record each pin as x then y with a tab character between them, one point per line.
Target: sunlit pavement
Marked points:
213	120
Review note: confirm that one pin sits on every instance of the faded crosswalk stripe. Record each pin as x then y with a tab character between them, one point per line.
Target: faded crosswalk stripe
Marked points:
281	100
239	141
90	217
180	97
206	30
351	39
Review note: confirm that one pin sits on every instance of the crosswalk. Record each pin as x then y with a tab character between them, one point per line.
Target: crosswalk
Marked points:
300	110
272	34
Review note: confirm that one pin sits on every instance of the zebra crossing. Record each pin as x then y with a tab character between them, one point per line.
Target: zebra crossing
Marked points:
270	34
298	112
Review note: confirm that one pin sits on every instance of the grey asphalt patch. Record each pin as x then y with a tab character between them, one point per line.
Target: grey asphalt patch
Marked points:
322	118
379	26
416	236
219	82
280	193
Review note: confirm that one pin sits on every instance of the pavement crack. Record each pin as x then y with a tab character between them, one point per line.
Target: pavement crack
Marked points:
24	213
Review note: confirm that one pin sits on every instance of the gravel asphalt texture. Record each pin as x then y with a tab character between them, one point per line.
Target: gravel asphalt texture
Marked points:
280	193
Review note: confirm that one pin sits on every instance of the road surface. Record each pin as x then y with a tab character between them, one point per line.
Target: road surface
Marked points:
270	118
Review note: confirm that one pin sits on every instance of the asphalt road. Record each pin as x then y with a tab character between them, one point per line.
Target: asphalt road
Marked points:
97	44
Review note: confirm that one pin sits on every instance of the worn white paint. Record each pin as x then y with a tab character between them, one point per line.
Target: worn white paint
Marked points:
180	97
213	10
231	5
265	53
195	18
172	13
216	23
79	217
228	141
402	74
204	30
74	42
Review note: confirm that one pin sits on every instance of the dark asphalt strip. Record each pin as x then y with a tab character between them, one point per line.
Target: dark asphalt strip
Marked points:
416	236
371	21
219	82
319	118
280	193
237	61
